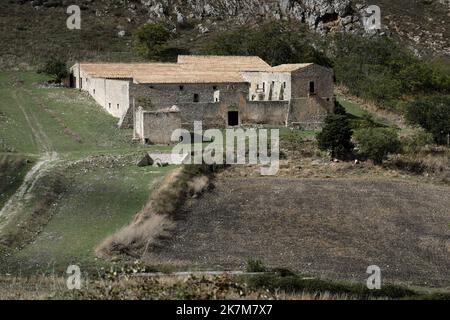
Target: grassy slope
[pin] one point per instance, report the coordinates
(97, 201)
(96, 204)
(12, 172)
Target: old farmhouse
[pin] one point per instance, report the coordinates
(221, 91)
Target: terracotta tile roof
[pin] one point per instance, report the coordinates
(125, 70)
(189, 69)
(230, 63)
(190, 76)
(290, 67)
(164, 73)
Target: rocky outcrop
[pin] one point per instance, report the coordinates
(320, 15)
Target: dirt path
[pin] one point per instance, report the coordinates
(48, 160)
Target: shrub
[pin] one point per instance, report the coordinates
(56, 68)
(336, 136)
(339, 108)
(416, 140)
(292, 140)
(255, 266)
(298, 285)
(150, 40)
(432, 114)
(377, 143)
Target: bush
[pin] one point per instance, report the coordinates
(150, 40)
(56, 68)
(292, 140)
(380, 70)
(432, 114)
(377, 143)
(416, 140)
(336, 136)
(255, 266)
(339, 108)
(295, 284)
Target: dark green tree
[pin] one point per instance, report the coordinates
(275, 42)
(432, 114)
(336, 136)
(55, 68)
(150, 40)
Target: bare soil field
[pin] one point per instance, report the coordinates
(329, 228)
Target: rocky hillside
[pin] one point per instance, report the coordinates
(37, 29)
(423, 25)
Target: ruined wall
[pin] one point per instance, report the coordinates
(155, 127)
(268, 86)
(309, 109)
(265, 112)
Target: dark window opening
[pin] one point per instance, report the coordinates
(196, 97)
(109, 105)
(94, 91)
(151, 87)
(264, 86)
(215, 88)
(117, 106)
(284, 85)
(233, 118)
(181, 88)
(312, 88)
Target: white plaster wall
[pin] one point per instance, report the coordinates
(265, 80)
(117, 100)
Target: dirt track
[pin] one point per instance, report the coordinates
(329, 228)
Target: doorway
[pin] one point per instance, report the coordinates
(233, 118)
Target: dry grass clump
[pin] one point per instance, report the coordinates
(155, 220)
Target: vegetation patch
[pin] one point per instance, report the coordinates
(297, 284)
(13, 169)
(157, 217)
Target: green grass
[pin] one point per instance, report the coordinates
(97, 200)
(358, 112)
(12, 172)
(95, 205)
(73, 122)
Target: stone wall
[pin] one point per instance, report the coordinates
(307, 108)
(167, 95)
(156, 127)
(214, 101)
(265, 112)
(268, 86)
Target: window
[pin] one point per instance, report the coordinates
(196, 97)
(264, 87)
(284, 85)
(109, 105)
(94, 91)
(118, 106)
(215, 88)
(181, 88)
(312, 88)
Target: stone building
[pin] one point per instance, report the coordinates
(221, 91)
